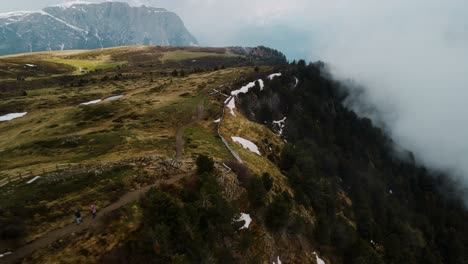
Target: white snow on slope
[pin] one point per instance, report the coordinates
(319, 260)
(231, 104)
(246, 218)
(245, 89)
(64, 22)
(33, 180)
(12, 17)
(92, 102)
(12, 116)
(72, 3)
(112, 98)
(5, 254)
(271, 76)
(279, 125)
(278, 261)
(246, 144)
(17, 14)
(217, 120)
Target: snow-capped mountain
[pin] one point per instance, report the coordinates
(81, 25)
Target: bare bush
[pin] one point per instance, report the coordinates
(243, 173)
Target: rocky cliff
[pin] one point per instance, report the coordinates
(82, 25)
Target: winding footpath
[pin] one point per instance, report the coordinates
(51, 237)
(233, 152)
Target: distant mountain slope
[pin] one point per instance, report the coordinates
(89, 26)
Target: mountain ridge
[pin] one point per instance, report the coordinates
(81, 25)
(314, 182)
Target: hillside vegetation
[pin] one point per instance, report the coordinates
(272, 166)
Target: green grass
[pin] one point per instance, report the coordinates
(29, 194)
(69, 148)
(202, 140)
(87, 65)
(184, 55)
(176, 113)
(49, 203)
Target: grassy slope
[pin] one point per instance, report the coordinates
(58, 130)
(149, 108)
(184, 55)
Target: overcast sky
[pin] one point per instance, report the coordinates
(411, 55)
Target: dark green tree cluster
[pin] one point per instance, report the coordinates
(185, 225)
(399, 211)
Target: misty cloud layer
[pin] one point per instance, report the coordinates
(411, 57)
(414, 66)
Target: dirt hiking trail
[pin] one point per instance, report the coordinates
(88, 222)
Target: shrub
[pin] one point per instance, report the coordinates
(242, 172)
(204, 164)
(11, 231)
(267, 181)
(256, 192)
(277, 214)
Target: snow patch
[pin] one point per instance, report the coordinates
(64, 22)
(278, 261)
(112, 98)
(5, 254)
(33, 180)
(12, 116)
(30, 65)
(17, 14)
(217, 120)
(318, 259)
(246, 144)
(246, 218)
(245, 89)
(72, 3)
(279, 125)
(272, 76)
(296, 80)
(231, 104)
(92, 102)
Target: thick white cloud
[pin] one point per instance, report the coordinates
(413, 60)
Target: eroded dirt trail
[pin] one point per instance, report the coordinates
(88, 222)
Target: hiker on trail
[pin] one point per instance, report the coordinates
(93, 210)
(78, 216)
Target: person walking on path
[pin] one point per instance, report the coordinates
(93, 210)
(78, 216)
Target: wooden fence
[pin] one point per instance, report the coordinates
(36, 172)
